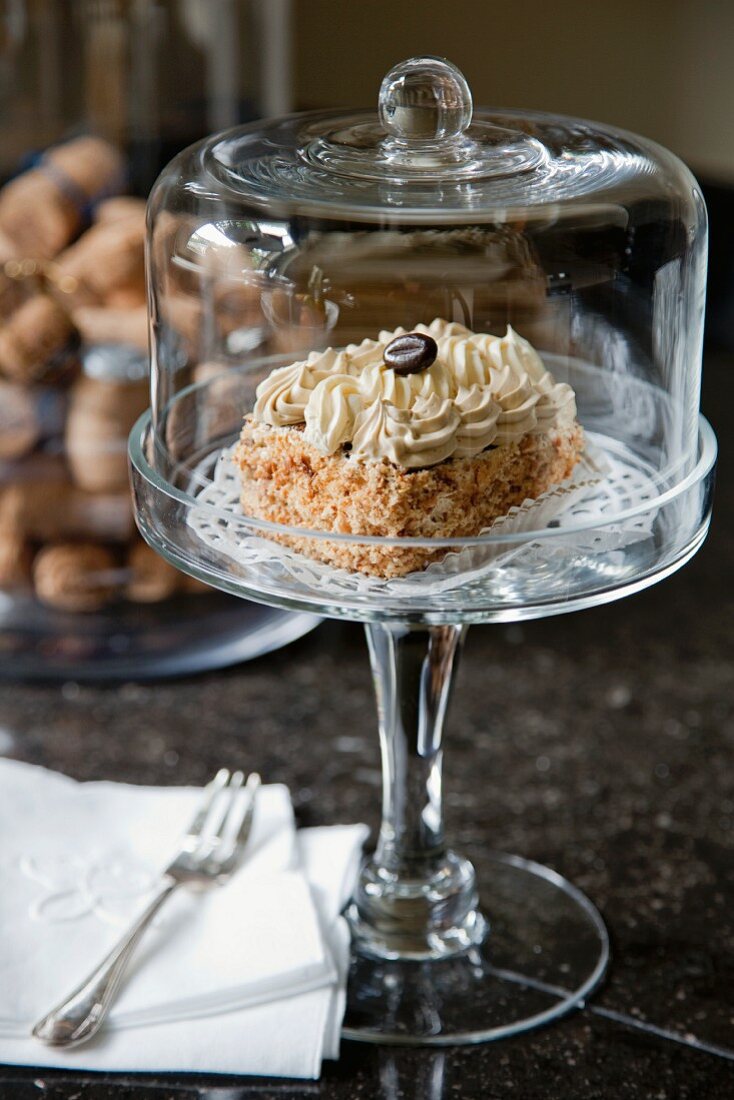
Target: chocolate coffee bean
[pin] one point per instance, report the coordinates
(411, 353)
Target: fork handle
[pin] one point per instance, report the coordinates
(81, 1014)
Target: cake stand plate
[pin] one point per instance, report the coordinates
(545, 951)
(441, 955)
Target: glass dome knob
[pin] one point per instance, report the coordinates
(425, 99)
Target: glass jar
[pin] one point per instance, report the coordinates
(88, 121)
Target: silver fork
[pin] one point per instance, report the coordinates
(209, 853)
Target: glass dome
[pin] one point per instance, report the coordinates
(320, 230)
(466, 348)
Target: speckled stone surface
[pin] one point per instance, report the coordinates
(601, 743)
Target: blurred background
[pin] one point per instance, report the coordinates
(96, 96)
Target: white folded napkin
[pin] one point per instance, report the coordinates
(246, 978)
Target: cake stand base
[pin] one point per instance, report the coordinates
(546, 950)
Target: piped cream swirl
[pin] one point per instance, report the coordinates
(481, 391)
(281, 399)
(404, 391)
(331, 412)
(514, 393)
(478, 412)
(421, 436)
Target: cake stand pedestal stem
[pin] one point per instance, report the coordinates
(415, 898)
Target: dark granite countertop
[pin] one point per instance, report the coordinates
(611, 759)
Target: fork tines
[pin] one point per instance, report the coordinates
(223, 818)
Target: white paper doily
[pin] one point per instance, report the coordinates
(602, 486)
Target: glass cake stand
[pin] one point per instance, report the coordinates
(437, 957)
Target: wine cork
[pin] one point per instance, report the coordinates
(11, 517)
(128, 298)
(15, 560)
(39, 342)
(8, 248)
(20, 425)
(43, 512)
(101, 414)
(108, 257)
(42, 210)
(152, 578)
(11, 294)
(94, 166)
(103, 325)
(75, 576)
(37, 216)
(119, 208)
(40, 466)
